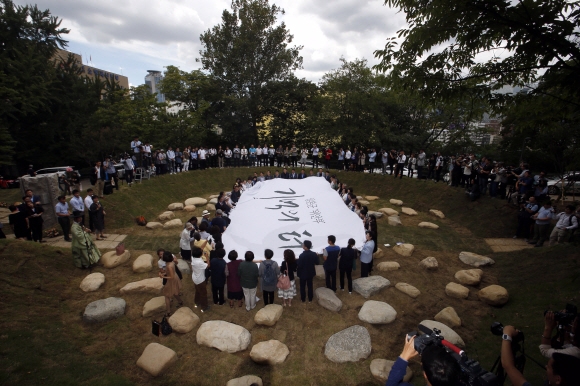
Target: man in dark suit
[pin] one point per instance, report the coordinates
(302, 175)
(33, 197)
(306, 270)
(293, 175)
(285, 175)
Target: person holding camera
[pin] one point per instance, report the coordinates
(566, 342)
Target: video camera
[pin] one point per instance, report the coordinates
(565, 317)
(472, 373)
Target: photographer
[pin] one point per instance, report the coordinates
(564, 343)
(439, 367)
(561, 370)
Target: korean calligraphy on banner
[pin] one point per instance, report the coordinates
(280, 214)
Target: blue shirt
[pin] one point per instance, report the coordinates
(366, 253)
(62, 208)
(252, 151)
(544, 213)
(397, 373)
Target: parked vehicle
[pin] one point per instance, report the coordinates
(569, 184)
(61, 170)
(9, 183)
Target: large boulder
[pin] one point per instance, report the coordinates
(154, 306)
(224, 336)
(436, 213)
(396, 202)
(475, 260)
(272, 352)
(429, 263)
(409, 211)
(404, 249)
(366, 286)
(246, 380)
(104, 309)
(428, 225)
(372, 198)
(175, 223)
(112, 260)
(197, 201)
(381, 368)
(189, 208)
(175, 206)
(408, 289)
(455, 290)
(386, 266)
(183, 320)
(375, 213)
(378, 254)
(143, 263)
(374, 312)
(154, 225)
(449, 317)
(269, 315)
(213, 201)
(447, 332)
(184, 267)
(92, 282)
(389, 211)
(320, 271)
(210, 207)
(153, 285)
(328, 299)
(156, 358)
(169, 215)
(364, 202)
(394, 220)
(494, 295)
(469, 276)
(349, 345)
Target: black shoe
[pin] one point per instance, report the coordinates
(68, 240)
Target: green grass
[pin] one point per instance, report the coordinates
(43, 340)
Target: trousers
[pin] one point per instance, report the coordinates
(200, 298)
(250, 298)
(348, 273)
(303, 283)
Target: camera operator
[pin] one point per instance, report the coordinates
(439, 367)
(561, 370)
(564, 343)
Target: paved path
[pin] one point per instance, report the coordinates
(507, 245)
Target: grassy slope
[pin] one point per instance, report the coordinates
(44, 341)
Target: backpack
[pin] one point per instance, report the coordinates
(269, 279)
(166, 327)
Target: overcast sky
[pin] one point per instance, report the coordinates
(130, 37)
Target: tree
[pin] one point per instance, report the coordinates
(484, 45)
(245, 52)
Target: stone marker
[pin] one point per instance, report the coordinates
(112, 260)
(386, 266)
(269, 315)
(409, 211)
(374, 312)
(272, 352)
(154, 225)
(349, 345)
(328, 299)
(366, 286)
(455, 290)
(389, 211)
(408, 289)
(183, 320)
(371, 198)
(429, 263)
(154, 306)
(246, 380)
(396, 202)
(104, 309)
(447, 332)
(436, 213)
(469, 276)
(92, 282)
(189, 208)
(494, 295)
(175, 223)
(381, 368)
(449, 317)
(394, 220)
(475, 260)
(224, 336)
(175, 206)
(151, 286)
(143, 263)
(184, 266)
(156, 358)
(169, 215)
(429, 225)
(404, 249)
(195, 201)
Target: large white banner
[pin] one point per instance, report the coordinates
(280, 214)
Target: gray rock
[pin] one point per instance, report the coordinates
(156, 359)
(184, 267)
(475, 260)
(374, 312)
(408, 289)
(447, 332)
(429, 263)
(328, 299)
(377, 214)
(104, 309)
(246, 380)
(349, 345)
(381, 368)
(394, 220)
(224, 336)
(366, 286)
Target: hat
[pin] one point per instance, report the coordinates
(307, 244)
(205, 213)
(219, 211)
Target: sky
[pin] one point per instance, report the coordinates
(129, 37)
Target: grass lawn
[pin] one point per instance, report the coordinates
(43, 339)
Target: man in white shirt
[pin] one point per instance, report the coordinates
(88, 203)
(236, 152)
(212, 153)
(78, 206)
(171, 160)
(259, 155)
(439, 167)
(567, 223)
(271, 155)
(202, 153)
(147, 161)
(228, 156)
(401, 159)
(347, 158)
(421, 163)
(315, 152)
(372, 157)
(136, 147)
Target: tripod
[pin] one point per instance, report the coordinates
(519, 361)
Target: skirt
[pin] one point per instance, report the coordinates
(235, 295)
(289, 293)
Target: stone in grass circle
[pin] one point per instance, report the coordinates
(455, 290)
(469, 276)
(394, 220)
(272, 352)
(429, 225)
(175, 223)
(328, 299)
(104, 309)
(153, 285)
(494, 295)
(475, 260)
(449, 317)
(447, 332)
(367, 286)
(436, 213)
(175, 206)
(408, 289)
(429, 263)
(169, 215)
(92, 282)
(404, 249)
(375, 312)
(246, 380)
(112, 260)
(396, 202)
(224, 336)
(381, 368)
(154, 225)
(386, 266)
(143, 263)
(389, 211)
(156, 359)
(409, 211)
(183, 320)
(269, 315)
(349, 345)
(197, 201)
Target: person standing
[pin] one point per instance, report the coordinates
(411, 165)
(98, 179)
(248, 273)
(347, 159)
(294, 156)
(288, 268)
(330, 256)
(98, 213)
(218, 276)
(185, 242)
(63, 214)
(420, 163)
(346, 264)
(136, 146)
(372, 158)
(315, 152)
(237, 156)
(340, 159)
(129, 167)
(244, 156)
(34, 217)
(198, 267)
(268, 273)
(279, 156)
(401, 159)
(185, 157)
(439, 166)
(366, 255)
(306, 270)
(88, 203)
(109, 166)
(173, 286)
(327, 157)
(228, 156)
(84, 252)
(78, 205)
(235, 291)
(202, 155)
(178, 161)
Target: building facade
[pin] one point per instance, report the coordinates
(93, 72)
(152, 80)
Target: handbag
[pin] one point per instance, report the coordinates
(155, 327)
(283, 281)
